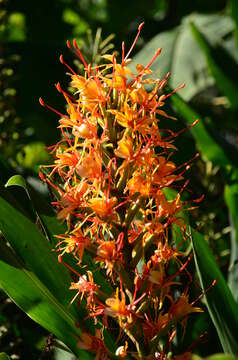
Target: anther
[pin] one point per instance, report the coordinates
(135, 41)
(64, 63)
(68, 44)
(58, 87)
(41, 101)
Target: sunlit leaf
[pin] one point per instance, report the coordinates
(182, 56)
(32, 296)
(17, 180)
(28, 242)
(222, 66)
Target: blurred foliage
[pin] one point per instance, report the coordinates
(93, 48)
(199, 41)
(9, 121)
(32, 156)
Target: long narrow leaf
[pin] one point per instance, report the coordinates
(31, 295)
(231, 198)
(207, 145)
(221, 305)
(35, 251)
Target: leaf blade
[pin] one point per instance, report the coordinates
(221, 305)
(36, 252)
(28, 292)
(220, 64)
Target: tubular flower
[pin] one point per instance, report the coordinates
(112, 170)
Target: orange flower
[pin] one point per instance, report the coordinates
(94, 344)
(90, 90)
(125, 147)
(182, 308)
(72, 199)
(139, 183)
(85, 287)
(74, 243)
(119, 76)
(66, 161)
(118, 308)
(108, 254)
(89, 167)
(102, 206)
(126, 117)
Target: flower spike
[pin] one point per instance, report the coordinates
(110, 176)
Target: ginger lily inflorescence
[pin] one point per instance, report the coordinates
(111, 171)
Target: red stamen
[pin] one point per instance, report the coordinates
(50, 107)
(64, 63)
(55, 187)
(163, 97)
(203, 293)
(68, 97)
(41, 102)
(42, 176)
(69, 267)
(181, 131)
(164, 81)
(152, 60)
(135, 41)
(78, 52)
(58, 87)
(66, 137)
(68, 44)
(123, 53)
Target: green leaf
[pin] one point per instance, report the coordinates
(221, 64)
(231, 198)
(32, 155)
(215, 357)
(17, 180)
(221, 357)
(4, 356)
(32, 296)
(52, 227)
(206, 144)
(221, 305)
(42, 209)
(182, 56)
(31, 246)
(234, 13)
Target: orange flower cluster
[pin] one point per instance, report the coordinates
(111, 169)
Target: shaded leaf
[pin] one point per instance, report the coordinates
(206, 144)
(4, 356)
(221, 305)
(222, 357)
(231, 198)
(216, 357)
